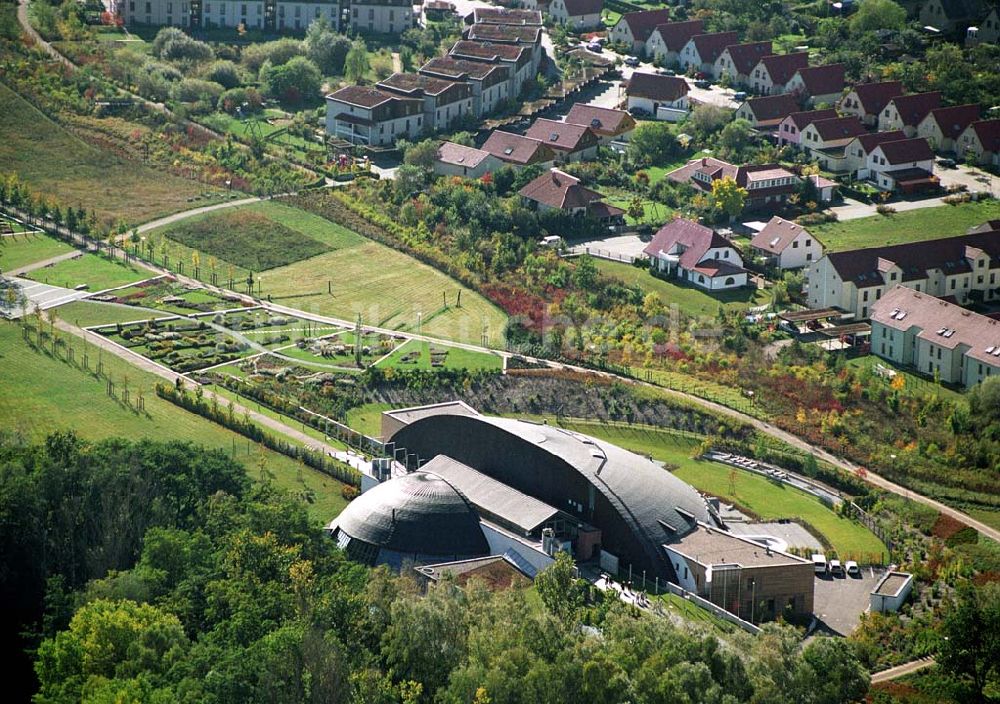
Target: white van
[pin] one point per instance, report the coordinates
(819, 563)
(836, 569)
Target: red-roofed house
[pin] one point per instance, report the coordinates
(609, 125)
(577, 14)
(943, 126)
(857, 152)
(868, 100)
(649, 92)
(666, 40)
(569, 142)
(490, 82)
(905, 165)
(768, 186)
(768, 111)
(905, 112)
(738, 60)
(772, 73)
(826, 140)
(557, 190)
(820, 84)
(790, 129)
(982, 139)
(519, 151)
(519, 59)
(691, 252)
(702, 50)
(634, 28)
(786, 245)
(460, 160)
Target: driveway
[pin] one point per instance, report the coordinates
(838, 602)
(972, 179)
(620, 247)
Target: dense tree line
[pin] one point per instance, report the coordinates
(155, 572)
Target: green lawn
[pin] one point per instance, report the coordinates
(367, 418)
(909, 226)
(767, 499)
(41, 394)
(659, 171)
(418, 356)
(62, 167)
(915, 385)
(725, 395)
(20, 250)
(87, 313)
(653, 213)
(690, 300)
(97, 272)
(388, 288)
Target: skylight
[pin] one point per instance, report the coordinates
(508, 151)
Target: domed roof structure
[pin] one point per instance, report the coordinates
(418, 517)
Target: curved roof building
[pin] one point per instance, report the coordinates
(637, 505)
(417, 518)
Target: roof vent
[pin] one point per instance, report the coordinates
(508, 151)
(554, 137)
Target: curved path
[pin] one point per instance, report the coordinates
(184, 214)
(894, 673)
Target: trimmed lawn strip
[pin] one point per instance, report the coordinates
(21, 250)
(691, 301)
(915, 385)
(41, 395)
(456, 358)
(98, 273)
(908, 226)
(87, 313)
(367, 418)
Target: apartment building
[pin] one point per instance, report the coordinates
(370, 116)
(490, 83)
(445, 102)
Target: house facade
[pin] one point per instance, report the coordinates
(951, 16)
(965, 267)
(609, 125)
(767, 112)
(577, 15)
(860, 148)
(569, 142)
(661, 97)
(557, 190)
(702, 51)
(381, 16)
(905, 165)
(518, 151)
(690, 252)
(460, 160)
(784, 245)
(981, 139)
(768, 186)
(867, 101)
(736, 62)
(490, 83)
(987, 31)
(519, 60)
(790, 129)
(515, 35)
(366, 115)
(826, 140)
(667, 40)
(943, 126)
(818, 85)
(935, 337)
(905, 112)
(772, 73)
(634, 28)
(257, 14)
(445, 102)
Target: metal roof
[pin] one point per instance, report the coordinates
(493, 497)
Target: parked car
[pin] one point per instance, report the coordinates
(947, 163)
(595, 47)
(740, 96)
(819, 563)
(836, 569)
(702, 83)
(631, 61)
(852, 568)
(666, 72)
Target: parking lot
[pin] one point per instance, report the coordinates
(838, 602)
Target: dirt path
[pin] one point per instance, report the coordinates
(184, 214)
(44, 263)
(894, 673)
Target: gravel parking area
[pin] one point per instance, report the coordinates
(838, 602)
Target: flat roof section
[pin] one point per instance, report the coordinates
(710, 546)
(414, 413)
(804, 316)
(892, 583)
(508, 504)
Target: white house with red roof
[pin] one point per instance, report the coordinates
(772, 73)
(662, 97)
(868, 100)
(819, 84)
(608, 124)
(634, 28)
(905, 112)
(790, 129)
(459, 160)
(982, 140)
(667, 40)
(943, 126)
(569, 142)
(702, 51)
(737, 61)
(577, 15)
(685, 250)
(786, 245)
(856, 153)
(906, 165)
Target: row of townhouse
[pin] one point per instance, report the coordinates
(935, 337)
(963, 268)
(369, 16)
(485, 69)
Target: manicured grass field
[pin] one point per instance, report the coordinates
(96, 271)
(419, 354)
(41, 394)
(86, 313)
(20, 250)
(367, 418)
(690, 300)
(388, 288)
(63, 167)
(909, 226)
(767, 499)
(653, 213)
(915, 385)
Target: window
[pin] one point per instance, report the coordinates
(809, 243)
(795, 244)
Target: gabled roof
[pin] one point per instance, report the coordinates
(772, 108)
(870, 141)
(903, 151)
(604, 121)
(803, 119)
(939, 322)
(915, 107)
(695, 240)
(915, 259)
(676, 34)
(578, 8)
(461, 155)
(709, 46)
(746, 56)
(643, 23)
(822, 80)
(557, 189)
(875, 96)
(656, 87)
(490, 51)
(781, 67)
(361, 96)
(777, 235)
(953, 121)
(517, 149)
(462, 69)
(503, 15)
(418, 84)
(988, 132)
(511, 34)
(839, 129)
(957, 10)
(562, 136)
